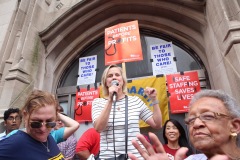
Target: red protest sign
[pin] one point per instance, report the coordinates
(83, 104)
(122, 43)
(181, 89)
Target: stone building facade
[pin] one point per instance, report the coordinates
(41, 39)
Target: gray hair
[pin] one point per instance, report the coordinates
(229, 102)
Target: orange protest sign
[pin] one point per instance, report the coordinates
(122, 43)
(83, 104)
(181, 88)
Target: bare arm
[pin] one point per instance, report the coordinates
(83, 155)
(102, 120)
(156, 120)
(70, 125)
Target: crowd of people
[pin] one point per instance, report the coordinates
(213, 126)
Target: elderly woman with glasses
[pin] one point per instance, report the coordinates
(39, 113)
(213, 124)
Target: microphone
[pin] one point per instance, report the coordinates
(116, 83)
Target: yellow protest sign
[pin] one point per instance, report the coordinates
(137, 86)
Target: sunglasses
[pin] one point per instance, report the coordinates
(40, 124)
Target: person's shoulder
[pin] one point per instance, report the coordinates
(93, 131)
(12, 133)
(134, 98)
(17, 137)
(20, 133)
(196, 157)
(57, 131)
(52, 139)
(99, 99)
(58, 134)
(3, 134)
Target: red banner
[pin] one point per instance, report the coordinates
(83, 104)
(181, 88)
(122, 43)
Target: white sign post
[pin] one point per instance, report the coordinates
(87, 70)
(162, 55)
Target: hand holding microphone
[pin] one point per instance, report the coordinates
(115, 83)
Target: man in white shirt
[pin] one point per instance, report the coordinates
(12, 121)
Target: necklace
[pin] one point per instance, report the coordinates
(48, 150)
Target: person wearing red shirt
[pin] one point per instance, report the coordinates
(88, 143)
(174, 137)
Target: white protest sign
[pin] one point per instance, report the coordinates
(87, 70)
(162, 55)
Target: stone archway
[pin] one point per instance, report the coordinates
(85, 22)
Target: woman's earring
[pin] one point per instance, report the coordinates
(233, 135)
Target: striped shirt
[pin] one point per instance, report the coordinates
(136, 110)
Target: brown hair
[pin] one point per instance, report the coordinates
(38, 99)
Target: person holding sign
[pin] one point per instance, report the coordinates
(108, 114)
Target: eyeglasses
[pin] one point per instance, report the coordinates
(14, 118)
(205, 117)
(40, 124)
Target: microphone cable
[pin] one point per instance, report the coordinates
(114, 149)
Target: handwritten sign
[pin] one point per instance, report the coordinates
(87, 70)
(83, 104)
(181, 89)
(122, 43)
(162, 55)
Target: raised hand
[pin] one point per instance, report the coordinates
(148, 153)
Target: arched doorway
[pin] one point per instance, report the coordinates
(187, 60)
(79, 32)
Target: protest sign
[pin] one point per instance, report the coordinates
(87, 70)
(163, 59)
(136, 88)
(122, 43)
(181, 88)
(83, 104)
